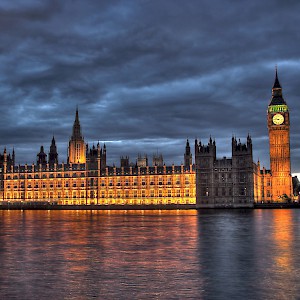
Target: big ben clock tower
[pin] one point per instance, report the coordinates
(279, 139)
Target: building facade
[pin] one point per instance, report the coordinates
(226, 182)
(238, 181)
(86, 179)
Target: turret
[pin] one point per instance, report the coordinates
(187, 155)
(42, 157)
(53, 155)
(124, 161)
(103, 157)
(13, 157)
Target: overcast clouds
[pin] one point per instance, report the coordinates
(146, 74)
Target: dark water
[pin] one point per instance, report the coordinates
(223, 254)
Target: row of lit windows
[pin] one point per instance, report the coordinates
(102, 194)
(130, 201)
(94, 182)
(82, 175)
(45, 176)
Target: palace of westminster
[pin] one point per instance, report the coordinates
(207, 182)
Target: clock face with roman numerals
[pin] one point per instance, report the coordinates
(278, 119)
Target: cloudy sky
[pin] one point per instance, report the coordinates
(146, 75)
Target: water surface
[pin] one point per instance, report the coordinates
(210, 254)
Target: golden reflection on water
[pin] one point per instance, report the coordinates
(282, 235)
(86, 254)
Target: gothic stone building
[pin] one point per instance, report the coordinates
(86, 179)
(238, 181)
(226, 182)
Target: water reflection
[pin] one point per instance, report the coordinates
(215, 254)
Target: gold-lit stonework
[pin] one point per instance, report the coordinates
(279, 141)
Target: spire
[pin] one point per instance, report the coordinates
(187, 143)
(76, 127)
(13, 156)
(277, 98)
(276, 82)
(77, 117)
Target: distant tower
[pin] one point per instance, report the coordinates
(42, 157)
(142, 161)
(124, 161)
(157, 160)
(13, 157)
(103, 157)
(188, 155)
(77, 149)
(279, 140)
(53, 156)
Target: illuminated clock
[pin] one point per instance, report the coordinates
(278, 119)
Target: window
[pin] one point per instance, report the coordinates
(160, 181)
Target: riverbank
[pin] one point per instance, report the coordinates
(51, 206)
(54, 206)
(276, 205)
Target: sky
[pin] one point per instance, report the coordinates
(146, 75)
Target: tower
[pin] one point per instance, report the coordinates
(77, 149)
(242, 172)
(279, 141)
(53, 156)
(42, 157)
(188, 155)
(205, 157)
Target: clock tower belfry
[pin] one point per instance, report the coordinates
(279, 141)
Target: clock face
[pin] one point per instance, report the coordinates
(278, 119)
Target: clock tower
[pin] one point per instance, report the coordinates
(279, 140)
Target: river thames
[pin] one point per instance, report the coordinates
(181, 254)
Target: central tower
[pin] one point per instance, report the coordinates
(77, 147)
(279, 140)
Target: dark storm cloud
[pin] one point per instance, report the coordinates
(145, 74)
